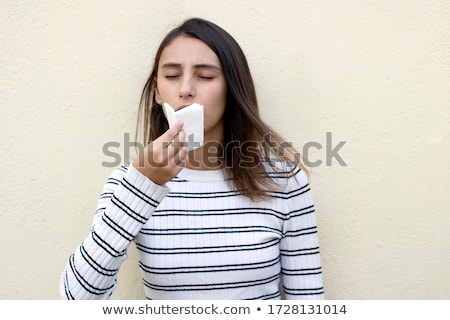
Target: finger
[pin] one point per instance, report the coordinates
(167, 137)
(178, 145)
(181, 157)
(179, 141)
(181, 151)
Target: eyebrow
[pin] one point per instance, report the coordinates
(197, 66)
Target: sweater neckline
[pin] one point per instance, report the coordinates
(201, 175)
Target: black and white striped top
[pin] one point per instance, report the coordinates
(198, 239)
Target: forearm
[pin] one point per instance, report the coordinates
(126, 204)
(300, 254)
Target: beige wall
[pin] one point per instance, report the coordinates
(375, 74)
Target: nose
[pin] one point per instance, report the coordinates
(187, 89)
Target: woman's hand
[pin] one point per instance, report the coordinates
(163, 158)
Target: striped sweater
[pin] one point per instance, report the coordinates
(198, 239)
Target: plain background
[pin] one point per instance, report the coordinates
(373, 74)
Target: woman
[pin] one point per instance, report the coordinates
(229, 220)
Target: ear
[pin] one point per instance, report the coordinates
(157, 96)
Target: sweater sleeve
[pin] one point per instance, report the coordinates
(126, 203)
(300, 256)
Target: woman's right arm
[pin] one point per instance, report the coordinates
(129, 198)
(127, 201)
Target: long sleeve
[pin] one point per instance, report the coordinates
(300, 256)
(126, 203)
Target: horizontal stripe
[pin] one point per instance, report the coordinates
(127, 210)
(270, 296)
(300, 252)
(113, 181)
(96, 266)
(212, 286)
(304, 291)
(117, 228)
(210, 268)
(291, 194)
(302, 272)
(203, 231)
(204, 195)
(302, 211)
(139, 194)
(206, 249)
(106, 246)
(171, 212)
(106, 195)
(301, 232)
(84, 283)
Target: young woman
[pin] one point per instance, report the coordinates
(233, 219)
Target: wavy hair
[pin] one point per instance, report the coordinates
(250, 146)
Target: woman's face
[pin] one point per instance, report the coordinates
(189, 71)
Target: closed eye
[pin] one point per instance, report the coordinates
(171, 76)
(205, 77)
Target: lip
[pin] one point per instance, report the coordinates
(182, 106)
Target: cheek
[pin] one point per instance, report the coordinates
(214, 111)
(213, 114)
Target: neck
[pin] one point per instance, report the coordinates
(210, 155)
(207, 157)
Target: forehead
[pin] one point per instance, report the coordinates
(187, 50)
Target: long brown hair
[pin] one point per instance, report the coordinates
(249, 146)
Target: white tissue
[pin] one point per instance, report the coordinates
(192, 117)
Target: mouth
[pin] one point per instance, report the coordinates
(182, 106)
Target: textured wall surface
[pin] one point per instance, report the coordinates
(372, 77)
